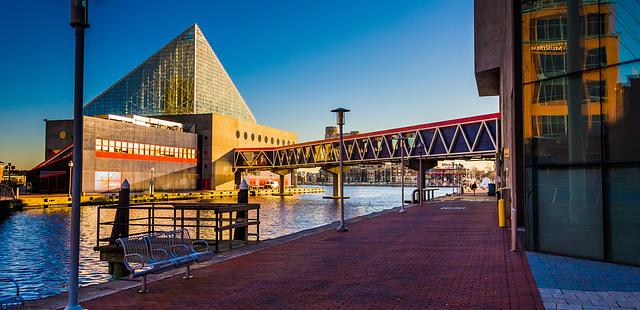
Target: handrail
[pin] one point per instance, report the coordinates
(220, 219)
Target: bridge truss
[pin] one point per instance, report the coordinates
(464, 138)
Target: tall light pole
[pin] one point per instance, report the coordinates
(79, 21)
(401, 140)
(420, 173)
(70, 174)
(151, 181)
(340, 120)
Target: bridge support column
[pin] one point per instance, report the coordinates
(335, 174)
(421, 166)
(281, 185)
(282, 173)
(294, 178)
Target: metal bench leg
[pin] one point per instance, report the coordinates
(143, 288)
(188, 275)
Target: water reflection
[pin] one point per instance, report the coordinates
(35, 247)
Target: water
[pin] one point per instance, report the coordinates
(35, 247)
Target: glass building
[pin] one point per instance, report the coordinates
(184, 77)
(580, 117)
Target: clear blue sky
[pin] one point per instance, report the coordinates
(393, 63)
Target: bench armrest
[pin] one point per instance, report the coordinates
(10, 280)
(131, 264)
(203, 243)
(164, 255)
(180, 250)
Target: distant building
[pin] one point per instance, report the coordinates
(331, 132)
(172, 122)
(183, 77)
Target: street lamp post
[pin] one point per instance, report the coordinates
(420, 173)
(79, 21)
(151, 181)
(340, 120)
(70, 174)
(401, 140)
(9, 173)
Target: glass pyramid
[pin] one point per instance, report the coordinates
(184, 77)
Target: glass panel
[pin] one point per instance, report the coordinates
(163, 84)
(622, 112)
(624, 214)
(562, 123)
(621, 29)
(569, 212)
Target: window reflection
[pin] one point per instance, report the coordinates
(581, 95)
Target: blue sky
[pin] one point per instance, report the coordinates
(393, 63)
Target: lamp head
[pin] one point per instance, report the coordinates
(340, 114)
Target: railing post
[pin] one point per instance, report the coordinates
(98, 226)
(198, 224)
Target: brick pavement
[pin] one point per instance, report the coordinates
(427, 258)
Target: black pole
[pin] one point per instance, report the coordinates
(79, 21)
(240, 233)
(121, 222)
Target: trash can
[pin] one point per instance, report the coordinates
(491, 189)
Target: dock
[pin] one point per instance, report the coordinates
(43, 200)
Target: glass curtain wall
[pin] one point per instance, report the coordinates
(581, 105)
(163, 84)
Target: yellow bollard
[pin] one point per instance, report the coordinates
(501, 215)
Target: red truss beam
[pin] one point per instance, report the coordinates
(469, 137)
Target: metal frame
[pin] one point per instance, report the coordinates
(13, 301)
(149, 218)
(469, 137)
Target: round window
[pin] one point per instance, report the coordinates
(253, 137)
(238, 134)
(271, 140)
(259, 138)
(245, 135)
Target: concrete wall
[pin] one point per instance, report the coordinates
(58, 134)
(168, 176)
(220, 134)
(494, 69)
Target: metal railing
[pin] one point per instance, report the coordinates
(6, 192)
(215, 223)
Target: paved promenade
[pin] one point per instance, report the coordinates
(441, 255)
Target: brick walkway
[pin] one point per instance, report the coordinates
(427, 258)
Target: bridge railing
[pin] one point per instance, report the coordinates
(470, 137)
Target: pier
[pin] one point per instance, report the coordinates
(43, 200)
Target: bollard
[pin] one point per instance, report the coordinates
(120, 228)
(240, 233)
(502, 221)
(121, 222)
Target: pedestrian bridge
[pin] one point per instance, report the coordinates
(463, 138)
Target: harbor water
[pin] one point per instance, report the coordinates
(35, 250)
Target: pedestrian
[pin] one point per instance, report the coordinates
(473, 188)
